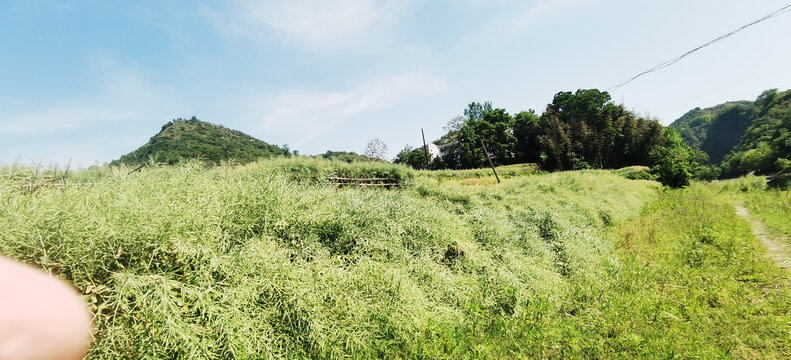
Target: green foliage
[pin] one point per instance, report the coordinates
(674, 160)
(346, 156)
(527, 128)
(476, 111)
(577, 131)
(690, 268)
(194, 139)
(747, 183)
(493, 127)
(690, 282)
(636, 173)
(718, 129)
(742, 136)
(240, 262)
(414, 157)
(584, 129)
(504, 171)
(767, 140)
(316, 170)
(773, 208)
(248, 262)
(784, 165)
(781, 181)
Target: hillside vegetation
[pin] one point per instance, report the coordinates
(579, 130)
(182, 139)
(743, 136)
(716, 130)
(254, 262)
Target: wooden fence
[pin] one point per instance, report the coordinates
(386, 183)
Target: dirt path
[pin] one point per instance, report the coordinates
(776, 250)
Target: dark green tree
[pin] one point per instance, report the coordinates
(766, 141)
(586, 130)
(526, 131)
(494, 127)
(414, 157)
(476, 111)
(674, 161)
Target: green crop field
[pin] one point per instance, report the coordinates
(270, 260)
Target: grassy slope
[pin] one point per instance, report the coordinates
(239, 261)
(242, 261)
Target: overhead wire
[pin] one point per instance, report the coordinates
(670, 62)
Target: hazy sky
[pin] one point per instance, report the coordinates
(88, 81)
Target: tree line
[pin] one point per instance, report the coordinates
(579, 130)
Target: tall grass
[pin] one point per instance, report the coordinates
(250, 262)
(319, 170)
(505, 171)
(769, 204)
(689, 281)
(692, 284)
(260, 261)
(773, 206)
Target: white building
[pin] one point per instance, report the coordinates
(433, 151)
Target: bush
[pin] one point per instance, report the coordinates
(636, 173)
(674, 162)
(319, 170)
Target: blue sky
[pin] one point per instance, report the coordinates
(83, 82)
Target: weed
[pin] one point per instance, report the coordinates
(265, 260)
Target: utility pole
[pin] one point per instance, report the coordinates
(425, 148)
(490, 161)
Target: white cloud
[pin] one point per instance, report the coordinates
(315, 113)
(549, 8)
(307, 24)
(519, 15)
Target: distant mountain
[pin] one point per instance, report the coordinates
(743, 136)
(186, 139)
(766, 145)
(716, 130)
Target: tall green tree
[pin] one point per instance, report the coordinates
(586, 130)
(674, 161)
(414, 157)
(526, 131)
(492, 126)
(475, 111)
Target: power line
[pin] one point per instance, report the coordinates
(665, 64)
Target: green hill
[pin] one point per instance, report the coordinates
(743, 136)
(716, 130)
(185, 139)
(765, 147)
